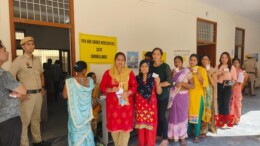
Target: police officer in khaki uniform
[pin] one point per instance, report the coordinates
(28, 70)
(251, 68)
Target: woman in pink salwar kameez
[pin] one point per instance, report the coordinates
(236, 98)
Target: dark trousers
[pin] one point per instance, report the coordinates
(162, 128)
(10, 132)
(224, 96)
(56, 89)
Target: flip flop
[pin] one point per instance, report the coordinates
(196, 140)
(203, 136)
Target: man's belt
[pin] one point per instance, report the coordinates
(33, 91)
(251, 72)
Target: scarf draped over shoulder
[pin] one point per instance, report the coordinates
(121, 78)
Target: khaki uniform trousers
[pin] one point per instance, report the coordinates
(121, 138)
(31, 114)
(251, 78)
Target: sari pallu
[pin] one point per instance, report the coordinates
(179, 104)
(79, 113)
(196, 95)
(207, 105)
(196, 106)
(210, 111)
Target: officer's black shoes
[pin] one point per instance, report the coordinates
(42, 143)
(252, 95)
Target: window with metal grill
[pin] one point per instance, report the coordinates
(206, 32)
(56, 11)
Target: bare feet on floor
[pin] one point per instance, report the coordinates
(164, 142)
(158, 138)
(183, 142)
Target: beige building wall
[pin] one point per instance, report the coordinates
(169, 24)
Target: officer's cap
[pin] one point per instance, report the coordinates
(26, 39)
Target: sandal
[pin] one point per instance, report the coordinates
(196, 140)
(203, 136)
(224, 126)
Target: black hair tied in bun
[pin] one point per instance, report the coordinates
(80, 66)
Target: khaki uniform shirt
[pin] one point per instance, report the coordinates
(28, 71)
(250, 65)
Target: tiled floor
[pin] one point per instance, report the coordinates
(247, 133)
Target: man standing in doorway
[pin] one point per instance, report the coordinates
(28, 70)
(251, 68)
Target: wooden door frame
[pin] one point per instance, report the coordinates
(243, 43)
(70, 26)
(215, 37)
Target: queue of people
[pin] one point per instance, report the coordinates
(200, 98)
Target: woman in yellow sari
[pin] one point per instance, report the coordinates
(197, 94)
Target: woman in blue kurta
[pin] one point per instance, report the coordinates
(78, 90)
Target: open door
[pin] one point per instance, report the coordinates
(207, 39)
(209, 50)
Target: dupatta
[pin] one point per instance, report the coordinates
(178, 77)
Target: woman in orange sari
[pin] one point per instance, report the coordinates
(95, 105)
(211, 103)
(119, 84)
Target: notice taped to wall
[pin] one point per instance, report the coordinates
(97, 49)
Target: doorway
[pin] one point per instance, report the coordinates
(239, 43)
(207, 39)
(54, 17)
(50, 43)
(207, 49)
(48, 14)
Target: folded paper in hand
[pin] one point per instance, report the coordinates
(241, 77)
(155, 75)
(119, 92)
